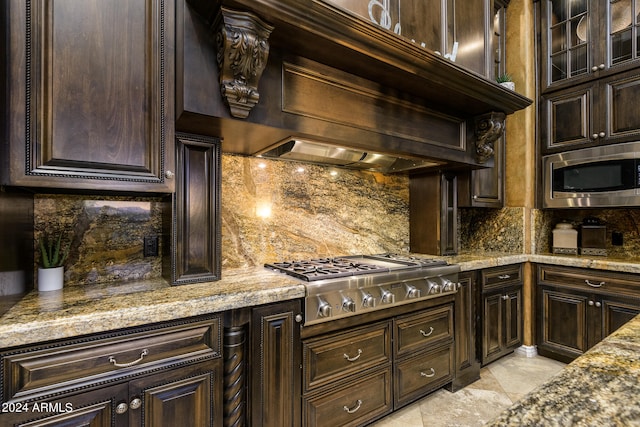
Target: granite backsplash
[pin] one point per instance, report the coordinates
(275, 210)
(271, 210)
(623, 221)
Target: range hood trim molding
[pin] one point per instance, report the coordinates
(324, 31)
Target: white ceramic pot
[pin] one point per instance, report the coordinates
(50, 279)
(509, 85)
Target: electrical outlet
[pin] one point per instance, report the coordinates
(150, 246)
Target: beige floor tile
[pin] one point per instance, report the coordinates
(501, 384)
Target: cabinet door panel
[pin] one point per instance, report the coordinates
(92, 94)
(513, 319)
(623, 120)
(276, 378)
(565, 322)
(567, 118)
(492, 326)
(88, 409)
(617, 312)
(186, 397)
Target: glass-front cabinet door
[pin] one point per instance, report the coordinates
(454, 29)
(584, 39)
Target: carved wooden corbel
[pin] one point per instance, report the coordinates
(243, 49)
(488, 127)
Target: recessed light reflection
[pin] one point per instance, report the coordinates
(333, 173)
(263, 210)
(262, 165)
(300, 170)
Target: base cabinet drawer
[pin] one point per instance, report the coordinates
(424, 372)
(335, 357)
(354, 404)
(417, 332)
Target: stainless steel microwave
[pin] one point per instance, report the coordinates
(604, 176)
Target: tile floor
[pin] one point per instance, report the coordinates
(501, 383)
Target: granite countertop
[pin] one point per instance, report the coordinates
(79, 310)
(599, 388)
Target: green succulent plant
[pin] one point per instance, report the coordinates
(51, 251)
(503, 78)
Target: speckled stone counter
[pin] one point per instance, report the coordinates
(600, 388)
(79, 310)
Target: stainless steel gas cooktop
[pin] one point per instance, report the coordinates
(350, 285)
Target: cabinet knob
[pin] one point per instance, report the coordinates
(594, 68)
(121, 408)
(594, 136)
(598, 304)
(590, 303)
(505, 297)
(602, 134)
(135, 403)
(601, 67)
(298, 318)
(169, 174)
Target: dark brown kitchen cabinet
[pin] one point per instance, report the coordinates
(276, 365)
(587, 39)
(467, 364)
(484, 188)
(436, 25)
(160, 375)
(193, 227)
(355, 375)
(501, 311)
(579, 307)
(600, 112)
(90, 104)
(347, 376)
(433, 213)
(424, 359)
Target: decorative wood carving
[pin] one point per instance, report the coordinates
(235, 377)
(243, 49)
(488, 127)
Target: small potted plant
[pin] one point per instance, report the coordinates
(506, 81)
(53, 255)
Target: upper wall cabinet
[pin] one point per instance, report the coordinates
(590, 73)
(586, 39)
(457, 30)
(90, 100)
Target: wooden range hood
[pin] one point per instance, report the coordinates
(335, 78)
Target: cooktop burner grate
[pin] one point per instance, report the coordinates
(326, 268)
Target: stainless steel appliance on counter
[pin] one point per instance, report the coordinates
(351, 285)
(593, 177)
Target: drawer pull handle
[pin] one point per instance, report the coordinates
(504, 276)
(126, 365)
(354, 358)
(426, 334)
(355, 408)
(429, 375)
(594, 285)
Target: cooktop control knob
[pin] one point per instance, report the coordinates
(348, 305)
(368, 301)
(387, 297)
(434, 288)
(448, 286)
(324, 309)
(412, 292)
